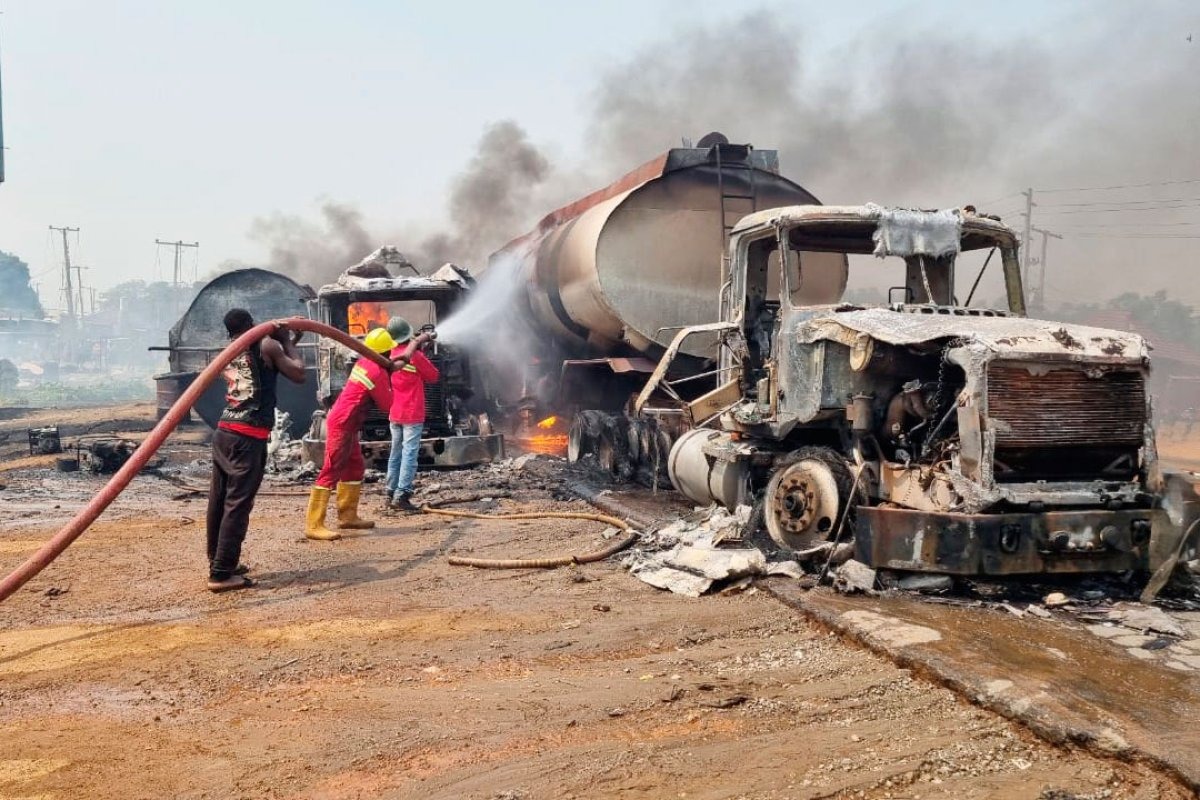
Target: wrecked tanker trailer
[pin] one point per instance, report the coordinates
(607, 280)
(941, 437)
(457, 429)
(199, 335)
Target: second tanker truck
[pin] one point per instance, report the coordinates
(690, 316)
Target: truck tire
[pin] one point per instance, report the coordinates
(584, 434)
(612, 447)
(807, 496)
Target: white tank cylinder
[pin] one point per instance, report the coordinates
(703, 478)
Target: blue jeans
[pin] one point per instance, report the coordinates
(402, 461)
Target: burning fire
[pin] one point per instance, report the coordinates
(365, 315)
(552, 442)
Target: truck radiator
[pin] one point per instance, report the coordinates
(377, 429)
(1065, 424)
(435, 409)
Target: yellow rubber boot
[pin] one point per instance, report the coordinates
(348, 494)
(315, 528)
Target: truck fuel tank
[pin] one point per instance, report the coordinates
(705, 465)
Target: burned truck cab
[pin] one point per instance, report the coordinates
(457, 429)
(940, 435)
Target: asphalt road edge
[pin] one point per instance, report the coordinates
(1052, 728)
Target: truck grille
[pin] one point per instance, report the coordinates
(1064, 423)
(435, 402)
(376, 426)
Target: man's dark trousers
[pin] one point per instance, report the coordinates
(238, 465)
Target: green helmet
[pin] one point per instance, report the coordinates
(400, 330)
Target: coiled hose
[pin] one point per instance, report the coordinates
(541, 563)
(53, 548)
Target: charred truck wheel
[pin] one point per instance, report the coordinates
(806, 497)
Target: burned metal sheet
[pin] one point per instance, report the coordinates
(998, 334)
(905, 232)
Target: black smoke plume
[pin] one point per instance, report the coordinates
(310, 252)
(491, 200)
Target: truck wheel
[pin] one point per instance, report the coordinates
(584, 434)
(612, 448)
(806, 497)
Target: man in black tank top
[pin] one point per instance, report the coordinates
(240, 444)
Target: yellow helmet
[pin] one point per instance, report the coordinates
(380, 341)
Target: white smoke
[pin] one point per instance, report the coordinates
(490, 326)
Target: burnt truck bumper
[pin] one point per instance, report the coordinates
(1007, 544)
(436, 451)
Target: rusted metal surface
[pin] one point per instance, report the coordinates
(618, 365)
(623, 267)
(1031, 405)
(1005, 544)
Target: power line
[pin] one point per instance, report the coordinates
(1123, 210)
(997, 200)
(1122, 202)
(1130, 225)
(1134, 236)
(1121, 186)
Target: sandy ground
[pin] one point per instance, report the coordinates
(369, 668)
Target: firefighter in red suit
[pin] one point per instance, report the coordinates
(344, 466)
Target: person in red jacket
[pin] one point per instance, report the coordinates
(407, 415)
(344, 465)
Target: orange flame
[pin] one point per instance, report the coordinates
(365, 315)
(554, 444)
(546, 436)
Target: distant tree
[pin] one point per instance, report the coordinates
(1156, 313)
(16, 294)
(1168, 318)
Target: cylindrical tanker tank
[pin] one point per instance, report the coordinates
(621, 270)
(200, 334)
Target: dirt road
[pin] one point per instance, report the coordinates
(370, 668)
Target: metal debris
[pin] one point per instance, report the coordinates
(687, 557)
(1056, 600)
(1145, 619)
(44, 441)
(854, 576)
(106, 456)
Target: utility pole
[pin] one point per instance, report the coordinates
(1046, 236)
(1026, 240)
(67, 287)
(178, 249)
(1, 135)
(178, 246)
(79, 304)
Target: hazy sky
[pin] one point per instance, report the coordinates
(143, 120)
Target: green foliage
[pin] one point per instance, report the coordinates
(1155, 313)
(111, 390)
(16, 294)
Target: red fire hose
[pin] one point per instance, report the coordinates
(73, 529)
